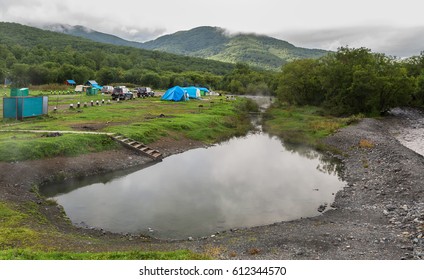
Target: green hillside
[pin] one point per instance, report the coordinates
(213, 43)
(30, 55)
(202, 42)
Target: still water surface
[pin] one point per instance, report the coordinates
(243, 182)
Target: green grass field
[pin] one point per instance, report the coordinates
(145, 120)
(25, 234)
(131, 255)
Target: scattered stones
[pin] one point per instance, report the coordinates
(322, 207)
(394, 176)
(390, 207)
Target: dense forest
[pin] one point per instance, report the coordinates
(352, 81)
(30, 56)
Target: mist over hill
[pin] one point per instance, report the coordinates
(215, 43)
(85, 32)
(211, 43)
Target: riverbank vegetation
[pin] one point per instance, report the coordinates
(353, 81)
(303, 125)
(131, 255)
(17, 146)
(26, 234)
(315, 97)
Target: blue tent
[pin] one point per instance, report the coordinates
(175, 94)
(203, 90)
(193, 92)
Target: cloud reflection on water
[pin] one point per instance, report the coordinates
(244, 182)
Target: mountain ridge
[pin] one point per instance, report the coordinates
(91, 34)
(209, 42)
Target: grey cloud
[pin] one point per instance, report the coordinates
(395, 41)
(7, 5)
(138, 34)
(128, 33)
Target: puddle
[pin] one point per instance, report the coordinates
(244, 182)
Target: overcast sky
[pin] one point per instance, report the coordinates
(395, 27)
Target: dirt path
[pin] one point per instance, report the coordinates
(379, 215)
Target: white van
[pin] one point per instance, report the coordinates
(107, 89)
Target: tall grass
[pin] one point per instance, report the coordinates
(20, 254)
(30, 146)
(302, 125)
(51, 87)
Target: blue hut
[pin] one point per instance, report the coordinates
(70, 83)
(19, 105)
(93, 84)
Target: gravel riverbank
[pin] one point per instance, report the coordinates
(378, 215)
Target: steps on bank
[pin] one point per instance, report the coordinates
(137, 146)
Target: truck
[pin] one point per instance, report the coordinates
(144, 92)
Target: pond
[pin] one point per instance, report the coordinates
(249, 181)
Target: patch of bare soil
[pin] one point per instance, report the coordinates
(379, 215)
(89, 127)
(170, 146)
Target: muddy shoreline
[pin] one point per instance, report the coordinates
(379, 215)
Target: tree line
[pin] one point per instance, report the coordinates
(30, 56)
(39, 65)
(352, 81)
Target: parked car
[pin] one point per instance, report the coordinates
(144, 92)
(121, 93)
(107, 89)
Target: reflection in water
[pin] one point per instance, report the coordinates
(244, 182)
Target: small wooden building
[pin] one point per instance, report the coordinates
(70, 83)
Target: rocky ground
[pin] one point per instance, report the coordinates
(378, 215)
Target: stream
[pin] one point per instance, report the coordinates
(243, 182)
(409, 130)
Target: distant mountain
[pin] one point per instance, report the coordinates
(84, 32)
(211, 43)
(214, 43)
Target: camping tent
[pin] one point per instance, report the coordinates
(175, 94)
(203, 91)
(193, 92)
(79, 88)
